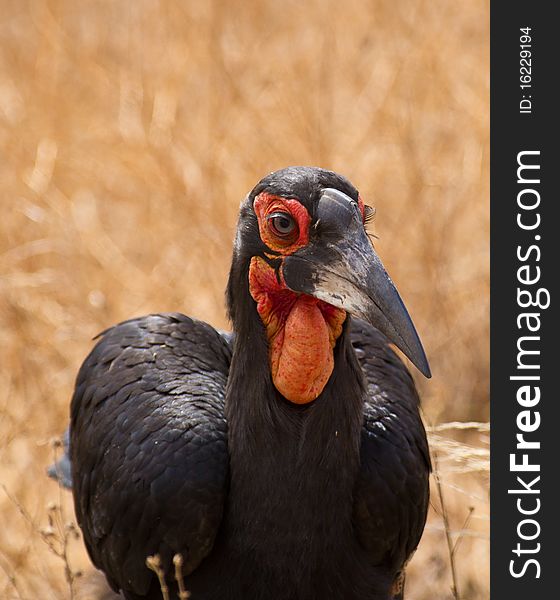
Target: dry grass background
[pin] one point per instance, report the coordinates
(129, 132)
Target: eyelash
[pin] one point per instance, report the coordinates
(369, 214)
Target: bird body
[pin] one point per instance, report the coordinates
(286, 461)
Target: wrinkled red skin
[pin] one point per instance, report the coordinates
(264, 205)
(362, 207)
(301, 330)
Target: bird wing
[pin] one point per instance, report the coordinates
(392, 493)
(148, 445)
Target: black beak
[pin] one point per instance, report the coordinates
(341, 267)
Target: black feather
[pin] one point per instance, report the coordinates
(148, 445)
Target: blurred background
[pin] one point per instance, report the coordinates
(130, 132)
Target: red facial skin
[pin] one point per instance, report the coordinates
(301, 330)
(266, 204)
(362, 208)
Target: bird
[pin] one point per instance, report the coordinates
(284, 460)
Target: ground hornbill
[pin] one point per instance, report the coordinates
(284, 461)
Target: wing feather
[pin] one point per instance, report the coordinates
(392, 492)
(148, 445)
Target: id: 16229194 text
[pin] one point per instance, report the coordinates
(525, 70)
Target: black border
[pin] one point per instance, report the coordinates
(513, 132)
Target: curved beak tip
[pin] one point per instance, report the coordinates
(411, 348)
(424, 368)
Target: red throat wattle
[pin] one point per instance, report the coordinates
(301, 330)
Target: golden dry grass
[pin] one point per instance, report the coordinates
(129, 132)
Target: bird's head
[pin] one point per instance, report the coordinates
(307, 262)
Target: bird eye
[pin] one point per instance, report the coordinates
(282, 224)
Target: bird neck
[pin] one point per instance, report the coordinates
(293, 467)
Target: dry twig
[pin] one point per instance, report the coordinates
(154, 564)
(56, 535)
(448, 536)
(178, 562)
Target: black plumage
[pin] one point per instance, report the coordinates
(180, 441)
